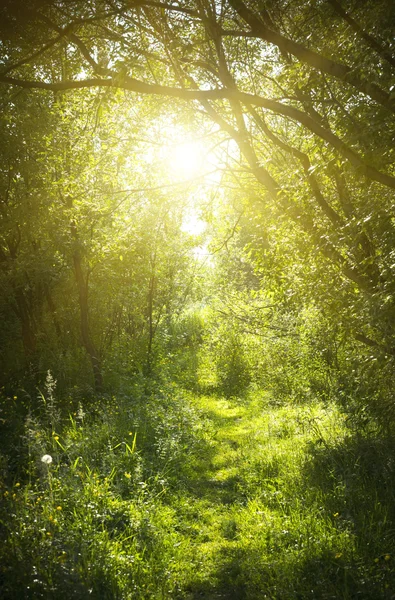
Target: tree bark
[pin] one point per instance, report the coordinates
(28, 336)
(82, 284)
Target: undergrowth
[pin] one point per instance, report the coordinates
(164, 494)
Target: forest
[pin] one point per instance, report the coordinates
(197, 307)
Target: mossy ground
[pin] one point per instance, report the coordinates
(200, 497)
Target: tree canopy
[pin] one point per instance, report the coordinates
(297, 99)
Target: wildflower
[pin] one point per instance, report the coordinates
(6, 493)
(56, 437)
(15, 397)
(17, 485)
(387, 557)
(339, 555)
(49, 533)
(46, 459)
(58, 508)
(127, 475)
(336, 514)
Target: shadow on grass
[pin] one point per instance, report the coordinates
(225, 491)
(226, 583)
(355, 481)
(201, 481)
(223, 420)
(243, 574)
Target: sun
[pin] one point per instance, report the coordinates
(186, 160)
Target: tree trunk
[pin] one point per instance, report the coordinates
(28, 336)
(151, 330)
(82, 284)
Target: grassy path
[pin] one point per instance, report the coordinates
(236, 494)
(215, 500)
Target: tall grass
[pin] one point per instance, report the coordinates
(162, 494)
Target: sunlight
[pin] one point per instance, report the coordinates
(193, 224)
(183, 155)
(186, 160)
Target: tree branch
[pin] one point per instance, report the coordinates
(317, 61)
(140, 87)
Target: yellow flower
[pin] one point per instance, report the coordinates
(127, 475)
(49, 534)
(339, 555)
(17, 485)
(376, 560)
(387, 557)
(58, 508)
(336, 515)
(15, 397)
(6, 493)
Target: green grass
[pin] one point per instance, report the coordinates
(176, 496)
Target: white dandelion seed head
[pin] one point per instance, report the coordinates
(46, 459)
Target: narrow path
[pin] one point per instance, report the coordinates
(244, 510)
(215, 496)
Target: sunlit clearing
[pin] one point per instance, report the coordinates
(186, 160)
